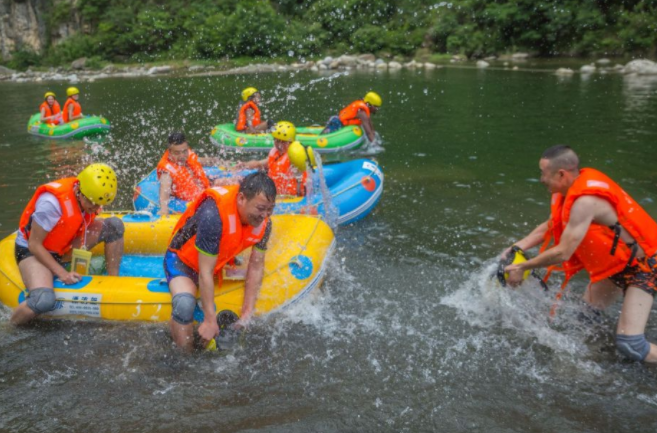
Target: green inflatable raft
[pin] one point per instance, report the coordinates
(92, 125)
(347, 138)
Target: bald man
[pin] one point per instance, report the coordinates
(596, 226)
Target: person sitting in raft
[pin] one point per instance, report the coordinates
(596, 226)
(180, 172)
(61, 216)
(51, 112)
(357, 113)
(277, 164)
(72, 109)
(216, 227)
(248, 116)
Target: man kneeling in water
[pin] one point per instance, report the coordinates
(215, 228)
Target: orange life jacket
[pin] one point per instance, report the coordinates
(280, 171)
(601, 252)
(235, 237)
(241, 116)
(188, 182)
(349, 114)
(70, 225)
(77, 109)
(51, 111)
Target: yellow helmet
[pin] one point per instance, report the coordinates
(248, 92)
(373, 99)
(284, 131)
(98, 183)
(49, 94)
(300, 155)
(72, 91)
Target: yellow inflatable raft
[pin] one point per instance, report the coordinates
(295, 264)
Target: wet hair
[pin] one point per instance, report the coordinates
(562, 157)
(256, 183)
(176, 138)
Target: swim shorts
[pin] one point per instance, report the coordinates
(174, 267)
(639, 276)
(21, 253)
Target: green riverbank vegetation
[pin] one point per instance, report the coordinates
(136, 31)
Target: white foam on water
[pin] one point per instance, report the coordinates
(43, 378)
(483, 303)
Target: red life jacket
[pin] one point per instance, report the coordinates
(69, 226)
(189, 181)
(279, 170)
(241, 116)
(349, 114)
(235, 237)
(51, 111)
(77, 109)
(600, 252)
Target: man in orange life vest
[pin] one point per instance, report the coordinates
(61, 216)
(51, 112)
(286, 177)
(180, 172)
(72, 109)
(597, 226)
(216, 227)
(248, 116)
(357, 113)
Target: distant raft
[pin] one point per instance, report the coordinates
(295, 264)
(85, 127)
(353, 190)
(347, 138)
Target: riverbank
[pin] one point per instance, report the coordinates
(79, 73)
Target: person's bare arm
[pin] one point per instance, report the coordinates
(581, 217)
(254, 274)
(366, 122)
(166, 182)
(254, 165)
(35, 245)
(209, 328)
(532, 239)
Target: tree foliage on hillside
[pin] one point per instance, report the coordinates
(141, 30)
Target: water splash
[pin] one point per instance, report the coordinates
(524, 314)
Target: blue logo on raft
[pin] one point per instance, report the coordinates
(301, 267)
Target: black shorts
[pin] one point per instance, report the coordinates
(21, 253)
(643, 276)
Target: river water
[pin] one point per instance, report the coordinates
(408, 333)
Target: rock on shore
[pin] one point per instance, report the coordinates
(78, 72)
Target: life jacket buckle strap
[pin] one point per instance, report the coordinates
(617, 233)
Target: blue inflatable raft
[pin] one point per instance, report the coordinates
(352, 190)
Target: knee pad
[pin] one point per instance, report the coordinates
(182, 308)
(112, 230)
(41, 300)
(635, 347)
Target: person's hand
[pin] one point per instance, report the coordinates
(208, 330)
(242, 323)
(515, 273)
(70, 278)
